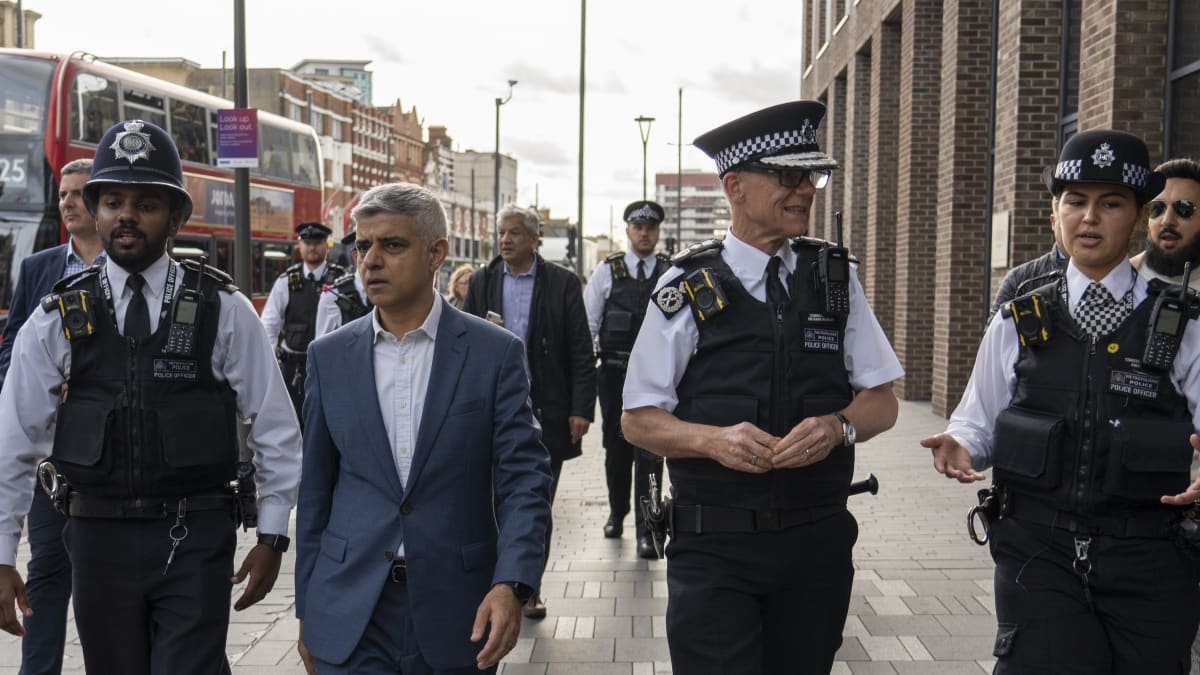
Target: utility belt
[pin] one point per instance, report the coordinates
(996, 503)
(702, 518)
(618, 360)
(85, 506)
(286, 355)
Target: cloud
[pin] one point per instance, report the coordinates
(541, 153)
(537, 79)
(756, 85)
(382, 49)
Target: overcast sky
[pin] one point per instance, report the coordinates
(452, 58)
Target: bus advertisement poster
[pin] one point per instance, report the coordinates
(237, 138)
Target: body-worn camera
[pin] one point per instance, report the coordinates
(78, 314)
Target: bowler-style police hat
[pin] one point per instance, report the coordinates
(137, 151)
(1105, 156)
(313, 232)
(645, 211)
(782, 136)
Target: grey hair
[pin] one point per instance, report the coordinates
(409, 200)
(77, 166)
(529, 218)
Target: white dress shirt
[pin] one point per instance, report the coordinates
(329, 315)
(402, 368)
(664, 346)
(241, 356)
(276, 305)
(595, 294)
(994, 376)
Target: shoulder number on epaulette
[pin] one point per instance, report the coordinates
(616, 263)
(697, 250)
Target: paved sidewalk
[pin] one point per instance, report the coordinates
(922, 600)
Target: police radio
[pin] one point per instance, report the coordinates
(1167, 321)
(833, 269)
(185, 313)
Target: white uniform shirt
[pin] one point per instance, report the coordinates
(272, 313)
(329, 315)
(241, 356)
(664, 346)
(994, 376)
(402, 368)
(600, 285)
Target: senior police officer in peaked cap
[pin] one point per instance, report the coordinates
(131, 379)
(616, 298)
(290, 313)
(345, 299)
(1083, 400)
(758, 366)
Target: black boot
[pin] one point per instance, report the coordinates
(646, 548)
(614, 527)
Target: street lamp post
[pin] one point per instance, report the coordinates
(644, 130)
(496, 171)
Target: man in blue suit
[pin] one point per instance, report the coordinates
(48, 578)
(425, 493)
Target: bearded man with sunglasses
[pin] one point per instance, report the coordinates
(755, 387)
(1173, 237)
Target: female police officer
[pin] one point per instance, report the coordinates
(1086, 426)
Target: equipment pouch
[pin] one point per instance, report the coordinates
(1149, 458)
(1028, 447)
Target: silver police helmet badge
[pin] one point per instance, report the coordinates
(1104, 156)
(670, 298)
(133, 143)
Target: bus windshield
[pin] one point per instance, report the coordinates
(24, 96)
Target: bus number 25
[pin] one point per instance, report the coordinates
(12, 170)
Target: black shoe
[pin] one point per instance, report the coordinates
(646, 548)
(613, 528)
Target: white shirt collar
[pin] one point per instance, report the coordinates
(155, 276)
(428, 327)
(318, 271)
(632, 259)
(1119, 281)
(749, 262)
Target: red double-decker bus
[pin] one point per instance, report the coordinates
(55, 108)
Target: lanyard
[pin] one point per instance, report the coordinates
(168, 292)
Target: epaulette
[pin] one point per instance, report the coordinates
(663, 257)
(616, 263)
(1033, 283)
(294, 267)
(813, 242)
(340, 281)
(698, 250)
(72, 279)
(224, 281)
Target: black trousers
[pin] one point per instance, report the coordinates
(620, 456)
(767, 603)
(135, 620)
(295, 368)
(1138, 612)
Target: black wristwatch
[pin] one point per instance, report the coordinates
(523, 591)
(278, 542)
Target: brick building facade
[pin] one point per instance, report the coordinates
(935, 216)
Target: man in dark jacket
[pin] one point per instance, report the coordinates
(1041, 267)
(542, 303)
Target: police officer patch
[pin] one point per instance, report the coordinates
(670, 299)
(133, 143)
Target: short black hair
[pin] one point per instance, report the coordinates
(1180, 168)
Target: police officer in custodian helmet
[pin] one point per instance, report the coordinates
(131, 380)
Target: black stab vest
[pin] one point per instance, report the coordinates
(349, 302)
(1088, 428)
(300, 315)
(625, 308)
(771, 369)
(140, 423)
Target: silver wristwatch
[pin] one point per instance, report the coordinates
(849, 433)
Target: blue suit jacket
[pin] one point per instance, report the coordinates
(36, 278)
(474, 511)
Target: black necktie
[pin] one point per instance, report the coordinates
(312, 276)
(641, 270)
(776, 294)
(137, 314)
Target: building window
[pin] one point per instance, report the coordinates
(1068, 73)
(1183, 81)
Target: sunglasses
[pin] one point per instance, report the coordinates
(791, 178)
(1184, 208)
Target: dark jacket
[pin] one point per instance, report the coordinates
(562, 366)
(37, 276)
(1041, 266)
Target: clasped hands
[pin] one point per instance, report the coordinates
(745, 447)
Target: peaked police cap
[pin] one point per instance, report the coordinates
(1105, 156)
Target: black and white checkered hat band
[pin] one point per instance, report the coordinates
(1135, 175)
(1069, 170)
(644, 213)
(760, 146)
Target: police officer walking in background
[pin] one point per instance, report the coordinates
(290, 314)
(1082, 400)
(131, 378)
(616, 298)
(345, 299)
(755, 371)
